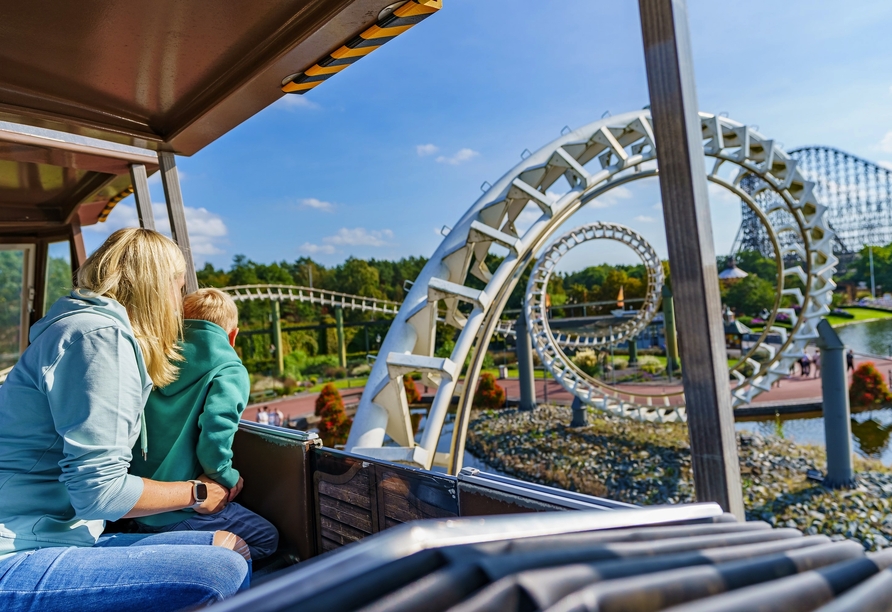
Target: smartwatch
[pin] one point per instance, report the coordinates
(199, 493)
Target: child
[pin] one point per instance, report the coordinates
(191, 423)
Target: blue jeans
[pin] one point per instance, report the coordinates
(127, 571)
(257, 532)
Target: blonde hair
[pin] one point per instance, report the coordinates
(138, 268)
(212, 305)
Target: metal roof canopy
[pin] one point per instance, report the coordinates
(164, 75)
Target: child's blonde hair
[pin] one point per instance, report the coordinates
(212, 305)
(138, 268)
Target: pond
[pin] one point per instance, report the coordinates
(871, 429)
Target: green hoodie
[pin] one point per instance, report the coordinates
(192, 421)
(69, 415)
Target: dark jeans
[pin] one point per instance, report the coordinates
(257, 532)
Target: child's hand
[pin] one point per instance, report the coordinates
(234, 491)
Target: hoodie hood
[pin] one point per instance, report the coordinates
(82, 301)
(205, 349)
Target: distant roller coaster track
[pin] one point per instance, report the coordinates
(309, 295)
(856, 192)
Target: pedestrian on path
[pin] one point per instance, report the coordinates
(850, 360)
(263, 416)
(816, 361)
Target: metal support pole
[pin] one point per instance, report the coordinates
(672, 363)
(277, 338)
(525, 374)
(76, 243)
(176, 210)
(679, 145)
(633, 352)
(873, 285)
(142, 196)
(837, 416)
(579, 413)
(342, 345)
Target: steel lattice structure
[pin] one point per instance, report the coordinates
(856, 192)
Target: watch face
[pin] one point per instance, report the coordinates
(201, 492)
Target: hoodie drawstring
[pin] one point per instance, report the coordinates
(143, 437)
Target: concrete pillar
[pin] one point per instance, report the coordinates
(672, 364)
(342, 344)
(524, 348)
(277, 338)
(837, 415)
(633, 351)
(579, 413)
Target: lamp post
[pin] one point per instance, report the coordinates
(873, 286)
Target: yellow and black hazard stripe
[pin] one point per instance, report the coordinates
(388, 28)
(112, 203)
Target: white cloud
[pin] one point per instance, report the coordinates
(294, 102)
(426, 149)
(612, 197)
(460, 157)
(886, 143)
(317, 204)
(315, 249)
(359, 236)
(206, 229)
(645, 219)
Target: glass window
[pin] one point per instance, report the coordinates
(58, 273)
(12, 265)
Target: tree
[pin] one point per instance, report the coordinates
(868, 387)
(750, 295)
(334, 424)
(489, 394)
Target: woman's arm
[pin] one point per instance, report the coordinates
(158, 497)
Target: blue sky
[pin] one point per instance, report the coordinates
(379, 157)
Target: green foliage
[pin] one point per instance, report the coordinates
(489, 394)
(753, 262)
(589, 362)
(649, 364)
(10, 305)
(868, 387)
(750, 295)
(334, 424)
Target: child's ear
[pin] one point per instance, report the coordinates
(232, 336)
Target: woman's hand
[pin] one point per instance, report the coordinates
(234, 491)
(218, 496)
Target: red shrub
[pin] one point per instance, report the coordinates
(868, 387)
(328, 395)
(334, 424)
(412, 393)
(489, 394)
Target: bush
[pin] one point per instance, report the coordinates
(334, 372)
(334, 424)
(587, 360)
(361, 370)
(328, 395)
(619, 363)
(290, 386)
(649, 364)
(868, 387)
(839, 312)
(489, 394)
(412, 394)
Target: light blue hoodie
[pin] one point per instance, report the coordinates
(69, 414)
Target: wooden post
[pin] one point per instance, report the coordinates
(176, 210)
(142, 196)
(679, 143)
(41, 261)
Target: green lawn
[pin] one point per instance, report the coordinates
(861, 314)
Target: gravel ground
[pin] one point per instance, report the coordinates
(646, 464)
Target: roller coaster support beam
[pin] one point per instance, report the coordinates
(342, 344)
(525, 373)
(837, 415)
(277, 338)
(672, 363)
(633, 351)
(679, 145)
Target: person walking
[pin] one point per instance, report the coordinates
(816, 362)
(850, 360)
(263, 416)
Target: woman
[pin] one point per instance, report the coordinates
(69, 415)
